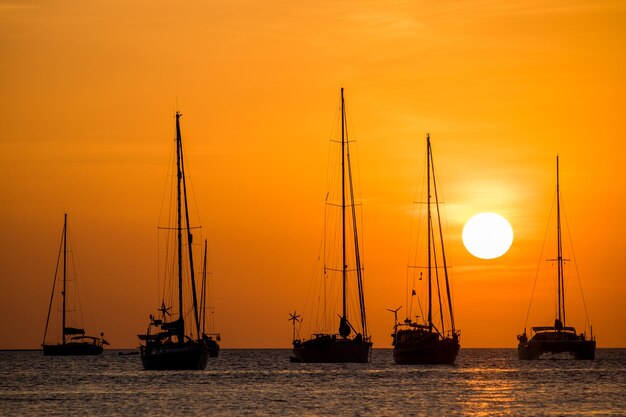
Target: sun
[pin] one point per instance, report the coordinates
(487, 235)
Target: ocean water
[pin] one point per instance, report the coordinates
(484, 382)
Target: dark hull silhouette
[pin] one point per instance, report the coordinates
(186, 356)
(330, 349)
(415, 347)
(555, 342)
(73, 349)
(214, 347)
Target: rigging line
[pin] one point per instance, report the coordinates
(78, 308)
(56, 270)
(437, 279)
(190, 248)
(168, 185)
(424, 267)
(162, 264)
(545, 238)
(580, 286)
(330, 171)
(347, 205)
(413, 250)
(317, 269)
(82, 292)
(443, 252)
(189, 177)
(203, 291)
(357, 254)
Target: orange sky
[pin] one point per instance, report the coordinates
(89, 91)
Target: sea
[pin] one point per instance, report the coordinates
(262, 382)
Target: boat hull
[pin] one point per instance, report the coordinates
(214, 348)
(328, 349)
(187, 356)
(72, 349)
(579, 349)
(414, 347)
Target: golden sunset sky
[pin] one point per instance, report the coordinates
(89, 92)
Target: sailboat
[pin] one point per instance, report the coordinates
(348, 344)
(171, 344)
(211, 339)
(558, 338)
(427, 342)
(74, 341)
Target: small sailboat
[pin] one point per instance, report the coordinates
(170, 342)
(351, 342)
(210, 337)
(434, 340)
(558, 338)
(74, 341)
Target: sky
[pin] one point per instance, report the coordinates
(89, 93)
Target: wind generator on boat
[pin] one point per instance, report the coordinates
(74, 341)
(351, 342)
(558, 338)
(170, 342)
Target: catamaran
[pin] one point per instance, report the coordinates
(74, 341)
(560, 337)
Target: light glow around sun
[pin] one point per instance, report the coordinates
(487, 235)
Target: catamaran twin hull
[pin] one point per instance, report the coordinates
(556, 342)
(329, 349)
(188, 356)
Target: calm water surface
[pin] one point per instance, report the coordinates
(484, 382)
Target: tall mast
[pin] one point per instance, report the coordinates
(181, 329)
(357, 252)
(64, 273)
(430, 295)
(343, 204)
(560, 284)
(189, 243)
(443, 251)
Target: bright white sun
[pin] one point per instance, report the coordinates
(487, 235)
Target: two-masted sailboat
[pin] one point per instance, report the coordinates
(170, 342)
(558, 338)
(351, 342)
(74, 341)
(434, 340)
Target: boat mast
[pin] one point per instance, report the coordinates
(430, 295)
(560, 284)
(64, 273)
(443, 251)
(181, 326)
(189, 242)
(343, 207)
(357, 252)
